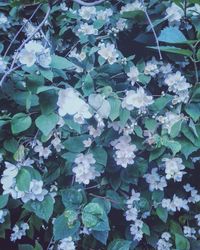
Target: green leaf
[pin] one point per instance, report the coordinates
(182, 243)
(46, 123)
(43, 209)
(3, 200)
(100, 236)
(95, 217)
(71, 198)
(88, 85)
(173, 145)
(155, 154)
(75, 144)
(124, 115)
(119, 244)
(172, 35)
(59, 62)
(115, 105)
(100, 156)
(139, 15)
(145, 229)
(47, 73)
(23, 180)
(160, 103)
(162, 213)
(193, 110)
(63, 229)
(175, 50)
(25, 247)
(20, 122)
(176, 128)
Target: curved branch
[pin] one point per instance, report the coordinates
(11, 69)
(89, 4)
(152, 28)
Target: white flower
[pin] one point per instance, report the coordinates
(85, 170)
(155, 181)
(70, 103)
(3, 19)
(176, 82)
(87, 29)
(36, 191)
(63, 7)
(56, 142)
(169, 120)
(28, 55)
(189, 232)
(4, 22)
(173, 169)
(125, 152)
(136, 230)
(43, 151)
(195, 197)
(174, 13)
(101, 105)
(197, 217)
(30, 29)
(163, 243)
(131, 214)
(104, 14)
(176, 204)
(66, 244)
(44, 58)
(133, 75)
(8, 176)
(151, 68)
(108, 52)
(121, 24)
(87, 143)
(19, 231)
(3, 213)
(80, 57)
(136, 5)
(87, 13)
(34, 46)
(94, 132)
(136, 99)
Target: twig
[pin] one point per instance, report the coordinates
(21, 30)
(153, 30)
(105, 198)
(88, 4)
(22, 45)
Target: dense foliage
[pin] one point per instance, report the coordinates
(99, 125)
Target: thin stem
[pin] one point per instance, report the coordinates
(88, 4)
(27, 21)
(153, 30)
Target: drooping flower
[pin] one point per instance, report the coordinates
(125, 151)
(84, 169)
